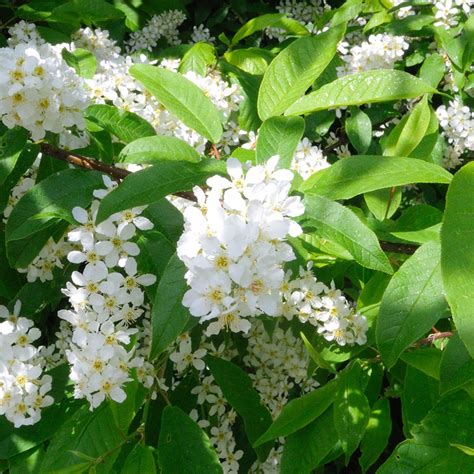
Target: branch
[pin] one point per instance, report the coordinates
(408, 249)
(92, 164)
(433, 337)
(83, 162)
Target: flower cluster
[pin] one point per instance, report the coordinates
(405, 11)
(23, 387)
(38, 90)
(324, 307)
(233, 244)
(160, 26)
(51, 256)
(457, 122)
(380, 51)
(448, 12)
(106, 298)
(201, 33)
(308, 159)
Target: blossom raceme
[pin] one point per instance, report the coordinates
(234, 244)
(23, 386)
(106, 297)
(39, 91)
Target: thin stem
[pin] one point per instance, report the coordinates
(408, 249)
(433, 337)
(91, 164)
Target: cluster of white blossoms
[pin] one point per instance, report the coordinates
(51, 256)
(38, 90)
(234, 248)
(380, 51)
(308, 159)
(164, 25)
(448, 12)
(457, 122)
(23, 387)
(324, 307)
(106, 298)
(233, 244)
(201, 33)
(405, 11)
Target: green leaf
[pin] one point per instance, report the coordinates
(35, 296)
(276, 20)
(307, 448)
(432, 69)
(424, 359)
(85, 11)
(465, 449)
(362, 88)
(155, 252)
(340, 225)
(457, 252)
(376, 435)
(457, 366)
(182, 98)
(431, 450)
(295, 69)
(156, 182)
(168, 315)
(47, 202)
(28, 462)
(237, 388)
(356, 175)
(467, 39)
(359, 130)
(149, 150)
(314, 354)
(412, 303)
(300, 412)
(198, 58)
(383, 203)
(126, 126)
(90, 433)
(23, 163)
(52, 198)
(419, 395)
(279, 136)
(141, 460)
(82, 61)
(12, 143)
(251, 60)
(166, 218)
(419, 224)
(409, 132)
(183, 446)
(351, 410)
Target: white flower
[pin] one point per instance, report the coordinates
(38, 90)
(184, 358)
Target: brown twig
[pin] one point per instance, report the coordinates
(408, 249)
(91, 164)
(83, 162)
(433, 337)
